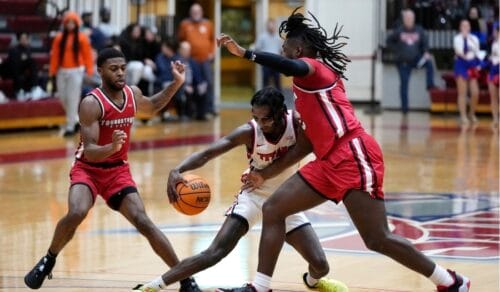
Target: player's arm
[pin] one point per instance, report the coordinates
(151, 105)
(240, 136)
(301, 148)
(90, 112)
(289, 67)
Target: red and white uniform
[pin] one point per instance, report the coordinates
(346, 156)
(249, 204)
(111, 175)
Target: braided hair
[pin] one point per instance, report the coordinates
(273, 98)
(316, 39)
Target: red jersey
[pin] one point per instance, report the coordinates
(113, 117)
(326, 113)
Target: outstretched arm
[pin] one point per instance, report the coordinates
(90, 113)
(151, 105)
(289, 67)
(241, 136)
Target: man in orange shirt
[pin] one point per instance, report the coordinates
(70, 56)
(199, 33)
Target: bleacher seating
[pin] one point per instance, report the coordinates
(444, 100)
(28, 16)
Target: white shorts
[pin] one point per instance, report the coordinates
(249, 206)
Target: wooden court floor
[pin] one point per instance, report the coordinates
(441, 184)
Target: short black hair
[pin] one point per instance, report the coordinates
(272, 98)
(108, 53)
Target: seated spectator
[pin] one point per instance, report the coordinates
(105, 26)
(21, 67)
(196, 88)
(164, 77)
(132, 46)
(477, 26)
(151, 48)
(98, 40)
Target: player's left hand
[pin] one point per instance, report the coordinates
(231, 45)
(252, 181)
(178, 70)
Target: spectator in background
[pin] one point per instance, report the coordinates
(410, 44)
(196, 87)
(269, 41)
(71, 51)
(466, 71)
(105, 26)
(477, 26)
(493, 76)
(199, 33)
(164, 75)
(132, 45)
(21, 67)
(97, 38)
(151, 47)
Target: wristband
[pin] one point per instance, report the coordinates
(250, 55)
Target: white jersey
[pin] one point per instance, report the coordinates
(264, 152)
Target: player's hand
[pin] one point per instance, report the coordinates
(252, 181)
(118, 139)
(174, 178)
(231, 45)
(178, 70)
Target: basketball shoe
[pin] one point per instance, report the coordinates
(461, 284)
(187, 285)
(34, 279)
(247, 288)
(144, 289)
(326, 285)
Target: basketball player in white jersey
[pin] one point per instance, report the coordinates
(272, 131)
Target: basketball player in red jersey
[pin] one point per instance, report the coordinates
(349, 166)
(272, 131)
(101, 167)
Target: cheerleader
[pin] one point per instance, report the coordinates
(493, 78)
(466, 71)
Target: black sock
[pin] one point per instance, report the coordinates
(51, 255)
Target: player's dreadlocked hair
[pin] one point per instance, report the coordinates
(315, 38)
(273, 98)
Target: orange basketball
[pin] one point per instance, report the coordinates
(194, 196)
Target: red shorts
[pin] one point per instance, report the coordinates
(354, 164)
(105, 182)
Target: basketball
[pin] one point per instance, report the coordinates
(194, 196)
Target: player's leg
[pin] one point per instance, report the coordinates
(293, 196)
(80, 200)
(224, 242)
(129, 204)
(132, 207)
(369, 217)
(305, 241)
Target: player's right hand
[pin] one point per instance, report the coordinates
(118, 139)
(174, 178)
(252, 181)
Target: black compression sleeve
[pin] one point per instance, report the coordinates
(284, 65)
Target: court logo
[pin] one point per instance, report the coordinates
(445, 225)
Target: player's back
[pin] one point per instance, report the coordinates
(324, 108)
